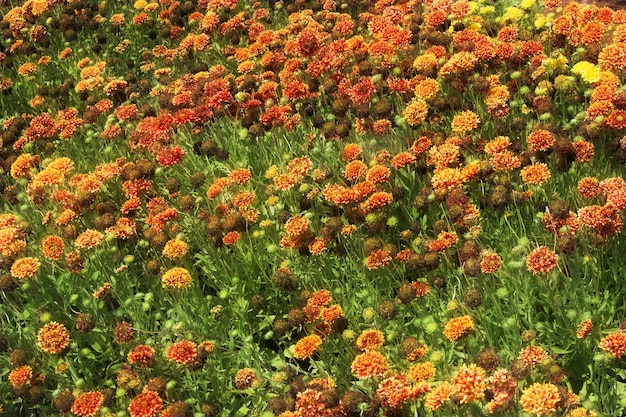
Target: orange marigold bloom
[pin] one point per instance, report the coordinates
(330, 314)
(505, 161)
(52, 247)
(415, 112)
(370, 340)
(460, 62)
(403, 159)
(355, 170)
(447, 179)
(499, 144)
(175, 248)
(244, 378)
(581, 412)
(351, 152)
(540, 399)
(396, 389)
(369, 364)
(177, 278)
(422, 371)
(231, 238)
(533, 355)
(378, 174)
(53, 338)
(379, 199)
(613, 57)
(465, 121)
(584, 151)
(540, 140)
(584, 328)
(469, 383)
(142, 354)
(537, 173)
(240, 176)
(21, 377)
(426, 62)
(183, 352)
(87, 404)
(88, 239)
(377, 259)
(490, 263)
(443, 155)
(306, 347)
(146, 404)
(588, 187)
(458, 327)
(541, 260)
(614, 343)
(296, 226)
(427, 89)
(25, 267)
(617, 118)
(438, 396)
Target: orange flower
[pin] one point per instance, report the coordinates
(87, 404)
(146, 404)
(183, 352)
(379, 199)
(588, 187)
(422, 371)
(427, 89)
(231, 238)
(490, 263)
(541, 260)
(377, 259)
(537, 173)
(52, 247)
(88, 239)
(369, 364)
(396, 389)
(458, 327)
(540, 399)
(306, 347)
(533, 355)
(21, 377)
(469, 383)
(614, 343)
(351, 152)
(613, 57)
(25, 267)
(584, 328)
(378, 174)
(447, 179)
(415, 112)
(355, 170)
(540, 140)
(175, 248)
(176, 278)
(53, 338)
(244, 378)
(370, 340)
(438, 396)
(465, 121)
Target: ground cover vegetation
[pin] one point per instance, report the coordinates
(312, 208)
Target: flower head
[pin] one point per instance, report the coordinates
(53, 338)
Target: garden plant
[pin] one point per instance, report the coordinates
(312, 208)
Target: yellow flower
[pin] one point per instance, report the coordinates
(487, 10)
(512, 14)
(589, 72)
(527, 4)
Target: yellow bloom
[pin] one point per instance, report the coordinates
(589, 72)
(512, 14)
(487, 10)
(527, 4)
